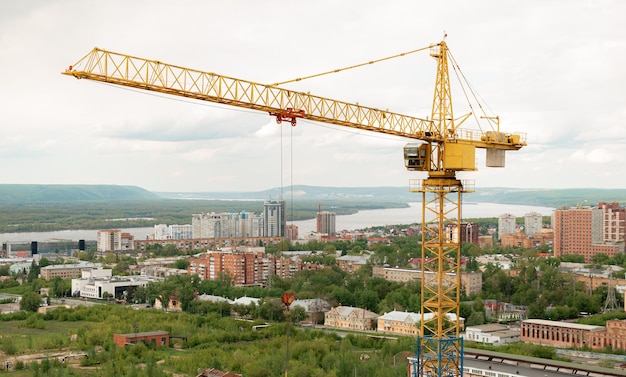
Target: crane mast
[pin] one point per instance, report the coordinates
(439, 350)
(443, 149)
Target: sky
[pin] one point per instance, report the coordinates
(551, 69)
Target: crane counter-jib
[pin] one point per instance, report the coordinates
(125, 70)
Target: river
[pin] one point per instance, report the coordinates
(359, 220)
(413, 214)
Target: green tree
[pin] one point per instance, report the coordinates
(537, 310)
(5, 270)
(476, 318)
(368, 299)
(138, 295)
(599, 258)
(33, 273)
(297, 314)
(181, 264)
(30, 302)
(61, 287)
(271, 309)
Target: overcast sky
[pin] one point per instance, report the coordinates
(554, 70)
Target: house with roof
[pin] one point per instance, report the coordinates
(407, 323)
(399, 323)
(314, 309)
(246, 301)
(214, 299)
(173, 305)
(351, 263)
(350, 318)
(156, 338)
(491, 333)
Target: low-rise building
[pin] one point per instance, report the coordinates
(20, 268)
(214, 299)
(491, 333)
(162, 272)
(66, 271)
(407, 323)
(314, 308)
(471, 282)
(527, 242)
(157, 338)
(95, 283)
(504, 312)
(173, 305)
(350, 318)
(562, 334)
(399, 323)
(351, 263)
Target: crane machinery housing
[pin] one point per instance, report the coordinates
(442, 149)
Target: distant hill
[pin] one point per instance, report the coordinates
(308, 193)
(24, 194)
(13, 194)
(548, 197)
(539, 197)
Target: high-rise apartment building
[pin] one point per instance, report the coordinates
(244, 268)
(506, 224)
(180, 232)
(580, 231)
(173, 232)
(614, 218)
(469, 232)
(533, 223)
(292, 232)
(237, 266)
(326, 223)
(206, 225)
(226, 225)
(109, 240)
(274, 221)
(114, 240)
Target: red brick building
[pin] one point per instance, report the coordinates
(581, 231)
(157, 338)
(246, 268)
(574, 335)
(524, 241)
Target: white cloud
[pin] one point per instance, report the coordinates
(550, 69)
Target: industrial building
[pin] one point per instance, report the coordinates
(99, 283)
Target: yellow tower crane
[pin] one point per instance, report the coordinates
(443, 149)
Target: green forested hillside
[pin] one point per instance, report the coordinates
(22, 194)
(548, 197)
(504, 195)
(25, 208)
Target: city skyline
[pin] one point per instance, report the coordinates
(548, 69)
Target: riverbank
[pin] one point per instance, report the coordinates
(360, 220)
